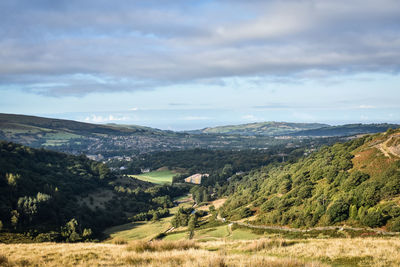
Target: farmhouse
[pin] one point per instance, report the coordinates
(196, 178)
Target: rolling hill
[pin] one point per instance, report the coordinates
(261, 128)
(347, 130)
(106, 141)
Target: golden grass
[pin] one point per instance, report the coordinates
(159, 245)
(265, 252)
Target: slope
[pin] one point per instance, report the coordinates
(356, 183)
(60, 195)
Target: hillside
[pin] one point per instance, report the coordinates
(347, 130)
(261, 128)
(354, 183)
(59, 195)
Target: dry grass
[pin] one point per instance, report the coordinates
(159, 245)
(119, 241)
(265, 244)
(216, 203)
(266, 252)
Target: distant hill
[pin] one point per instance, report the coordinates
(346, 130)
(13, 124)
(106, 141)
(261, 128)
(79, 137)
(353, 183)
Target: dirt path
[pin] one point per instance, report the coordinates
(387, 151)
(337, 228)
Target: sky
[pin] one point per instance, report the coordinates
(189, 64)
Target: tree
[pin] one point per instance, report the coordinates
(373, 218)
(205, 196)
(192, 225)
(155, 217)
(71, 231)
(353, 212)
(12, 179)
(338, 211)
(395, 225)
(14, 218)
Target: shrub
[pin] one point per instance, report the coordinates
(119, 241)
(338, 211)
(394, 225)
(4, 261)
(373, 218)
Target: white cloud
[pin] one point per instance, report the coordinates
(250, 117)
(366, 107)
(195, 118)
(134, 109)
(102, 119)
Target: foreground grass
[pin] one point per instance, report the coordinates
(156, 177)
(262, 252)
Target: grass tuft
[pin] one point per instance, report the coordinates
(160, 245)
(4, 261)
(265, 244)
(119, 241)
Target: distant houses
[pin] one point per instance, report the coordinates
(145, 170)
(196, 178)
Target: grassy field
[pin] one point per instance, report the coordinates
(275, 252)
(156, 177)
(142, 230)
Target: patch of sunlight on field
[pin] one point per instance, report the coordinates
(139, 230)
(156, 177)
(144, 230)
(212, 233)
(241, 234)
(176, 236)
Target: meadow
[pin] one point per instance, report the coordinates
(156, 177)
(367, 251)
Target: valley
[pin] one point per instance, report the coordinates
(200, 133)
(277, 205)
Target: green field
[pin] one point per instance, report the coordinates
(244, 234)
(156, 177)
(144, 230)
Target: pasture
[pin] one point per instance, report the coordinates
(156, 177)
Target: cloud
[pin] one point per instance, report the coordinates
(134, 109)
(103, 119)
(195, 118)
(75, 47)
(274, 106)
(250, 117)
(366, 107)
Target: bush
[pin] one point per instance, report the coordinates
(394, 225)
(119, 241)
(4, 261)
(48, 237)
(338, 211)
(373, 218)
